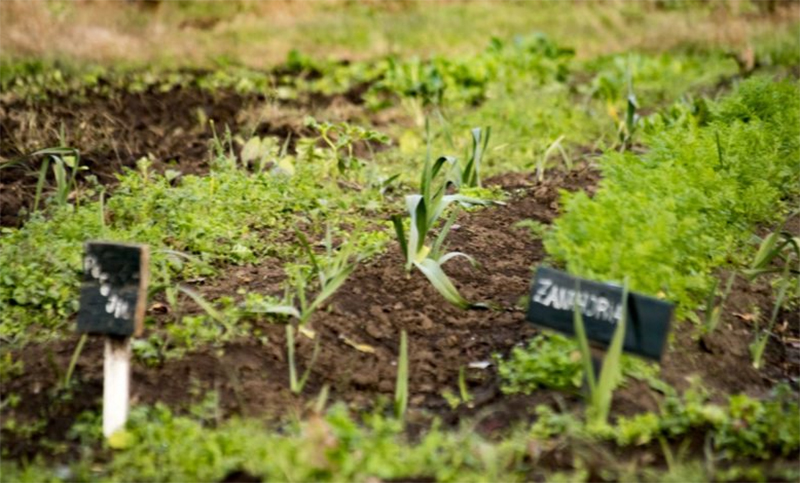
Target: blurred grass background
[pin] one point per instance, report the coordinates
(260, 34)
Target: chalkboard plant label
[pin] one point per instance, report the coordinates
(114, 289)
(555, 295)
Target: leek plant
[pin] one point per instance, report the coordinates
(295, 385)
(554, 146)
(628, 126)
(778, 248)
(713, 310)
(425, 211)
(332, 272)
(469, 175)
(401, 387)
(601, 389)
(66, 165)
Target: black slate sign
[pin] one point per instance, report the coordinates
(114, 289)
(553, 301)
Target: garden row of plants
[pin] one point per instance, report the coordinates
(659, 199)
(666, 219)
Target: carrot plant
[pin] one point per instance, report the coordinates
(667, 218)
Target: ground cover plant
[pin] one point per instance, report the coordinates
(344, 221)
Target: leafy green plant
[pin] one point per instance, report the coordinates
(342, 138)
(547, 361)
(669, 217)
(743, 427)
(602, 388)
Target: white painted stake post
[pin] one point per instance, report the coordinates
(116, 384)
(113, 299)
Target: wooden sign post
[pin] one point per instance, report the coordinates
(554, 299)
(112, 304)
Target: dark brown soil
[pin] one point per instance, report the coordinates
(372, 308)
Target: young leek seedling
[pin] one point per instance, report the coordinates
(601, 389)
(425, 211)
(401, 387)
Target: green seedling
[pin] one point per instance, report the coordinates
(342, 138)
(779, 252)
(713, 309)
(601, 389)
(552, 148)
(425, 211)
(74, 360)
(401, 387)
(628, 127)
(469, 176)
(332, 271)
(463, 397)
(295, 385)
(466, 397)
(263, 152)
(66, 165)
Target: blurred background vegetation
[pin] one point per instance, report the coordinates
(261, 34)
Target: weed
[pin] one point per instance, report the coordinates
(342, 138)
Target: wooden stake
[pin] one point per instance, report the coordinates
(116, 384)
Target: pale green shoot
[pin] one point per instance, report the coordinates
(551, 149)
(332, 272)
(295, 385)
(601, 389)
(66, 165)
(401, 387)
